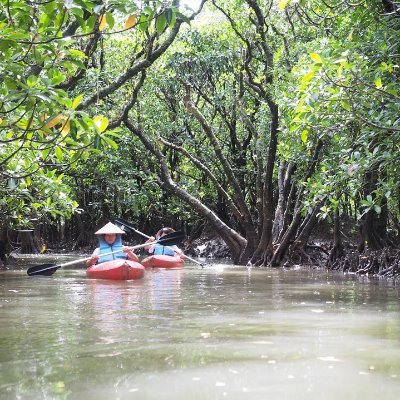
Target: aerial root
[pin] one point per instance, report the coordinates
(379, 263)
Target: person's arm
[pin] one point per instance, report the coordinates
(131, 255)
(95, 257)
(177, 250)
(150, 247)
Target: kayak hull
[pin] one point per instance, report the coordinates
(163, 261)
(117, 270)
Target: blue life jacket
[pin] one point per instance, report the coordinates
(163, 250)
(106, 248)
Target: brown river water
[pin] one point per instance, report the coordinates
(218, 332)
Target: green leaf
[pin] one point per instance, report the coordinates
(316, 58)
(307, 77)
(44, 22)
(10, 84)
(90, 23)
(143, 22)
(377, 209)
(74, 61)
(378, 83)
(110, 142)
(171, 16)
(56, 77)
(59, 153)
(97, 142)
(282, 4)
(77, 101)
(346, 106)
(161, 23)
(77, 53)
(183, 17)
(148, 11)
(304, 136)
(101, 123)
(31, 81)
(45, 153)
(78, 12)
(110, 20)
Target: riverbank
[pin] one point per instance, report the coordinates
(384, 263)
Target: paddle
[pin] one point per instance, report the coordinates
(125, 224)
(49, 269)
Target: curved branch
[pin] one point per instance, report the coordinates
(235, 242)
(138, 67)
(209, 174)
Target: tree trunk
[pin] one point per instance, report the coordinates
(337, 251)
(284, 244)
(4, 246)
(234, 241)
(373, 226)
(244, 217)
(284, 178)
(28, 242)
(306, 229)
(264, 250)
(289, 235)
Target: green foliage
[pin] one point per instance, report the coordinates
(44, 196)
(205, 59)
(344, 90)
(333, 69)
(46, 49)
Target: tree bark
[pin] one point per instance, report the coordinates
(28, 243)
(289, 235)
(245, 218)
(337, 251)
(373, 226)
(285, 174)
(234, 241)
(306, 229)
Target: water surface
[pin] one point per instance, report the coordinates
(219, 332)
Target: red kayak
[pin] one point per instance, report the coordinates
(163, 261)
(119, 270)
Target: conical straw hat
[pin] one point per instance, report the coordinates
(109, 228)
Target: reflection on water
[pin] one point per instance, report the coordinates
(212, 333)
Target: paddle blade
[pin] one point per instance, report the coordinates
(167, 240)
(172, 238)
(42, 269)
(124, 225)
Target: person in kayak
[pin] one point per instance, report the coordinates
(158, 249)
(110, 240)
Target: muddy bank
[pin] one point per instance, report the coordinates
(384, 263)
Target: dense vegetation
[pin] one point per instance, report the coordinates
(251, 120)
